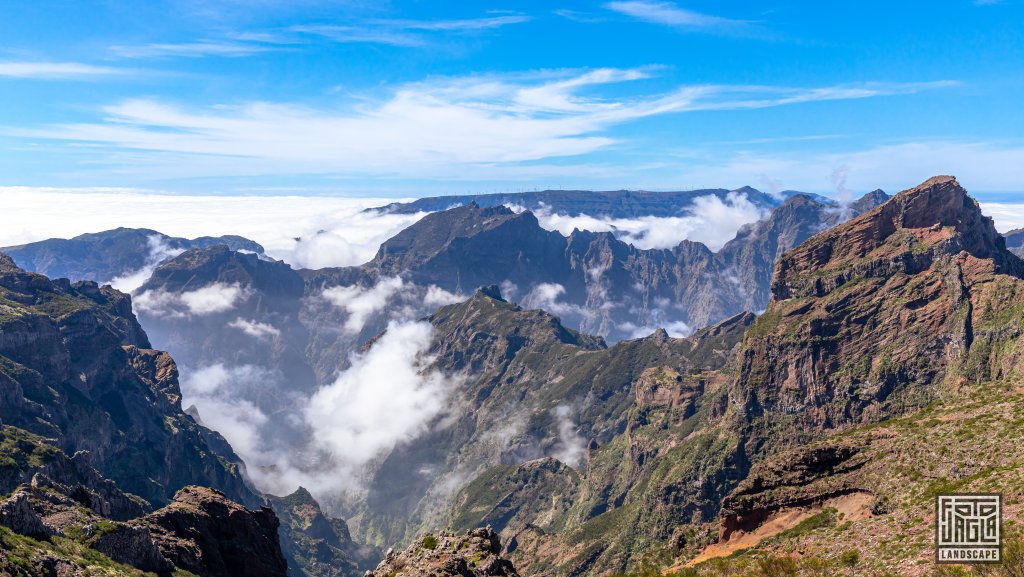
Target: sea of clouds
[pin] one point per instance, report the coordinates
(385, 395)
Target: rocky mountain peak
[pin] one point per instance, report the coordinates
(869, 200)
(7, 263)
(907, 233)
(491, 291)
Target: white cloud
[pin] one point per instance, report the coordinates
(362, 302)
(386, 396)
(676, 329)
(404, 33)
(437, 297)
(332, 231)
(55, 70)
(1007, 216)
(198, 49)
(710, 220)
(214, 298)
(571, 448)
(440, 128)
(254, 328)
(361, 35)
(983, 167)
(456, 25)
(546, 296)
(159, 251)
(221, 394)
(390, 298)
(669, 14)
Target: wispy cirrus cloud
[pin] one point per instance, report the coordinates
(55, 70)
(392, 32)
(197, 49)
(435, 128)
(404, 33)
(361, 34)
(668, 14)
(457, 24)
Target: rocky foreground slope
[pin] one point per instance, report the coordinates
(477, 553)
(93, 439)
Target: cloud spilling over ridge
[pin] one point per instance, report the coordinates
(304, 231)
(391, 298)
(326, 441)
(217, 391)
(710, 220)
(360, 302)
(159, 251)
(547, 296)
(387, 395)
(214, 298)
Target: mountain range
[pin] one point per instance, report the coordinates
(880, 369)
(609, 204)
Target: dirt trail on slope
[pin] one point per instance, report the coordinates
(853, 507)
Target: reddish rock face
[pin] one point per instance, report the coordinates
(205, 533)
(873, 318)
(666, 388)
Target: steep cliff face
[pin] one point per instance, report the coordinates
(912, 310)
(867, 319)
(76, 366)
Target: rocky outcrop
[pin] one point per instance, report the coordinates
(200, 531)
(16, 514)
(315, 544)
(665, 387)
(792, 480)
(475, 554)
(204, 532)
(868, 318)
(873, 319)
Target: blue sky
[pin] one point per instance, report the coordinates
(415, 98)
